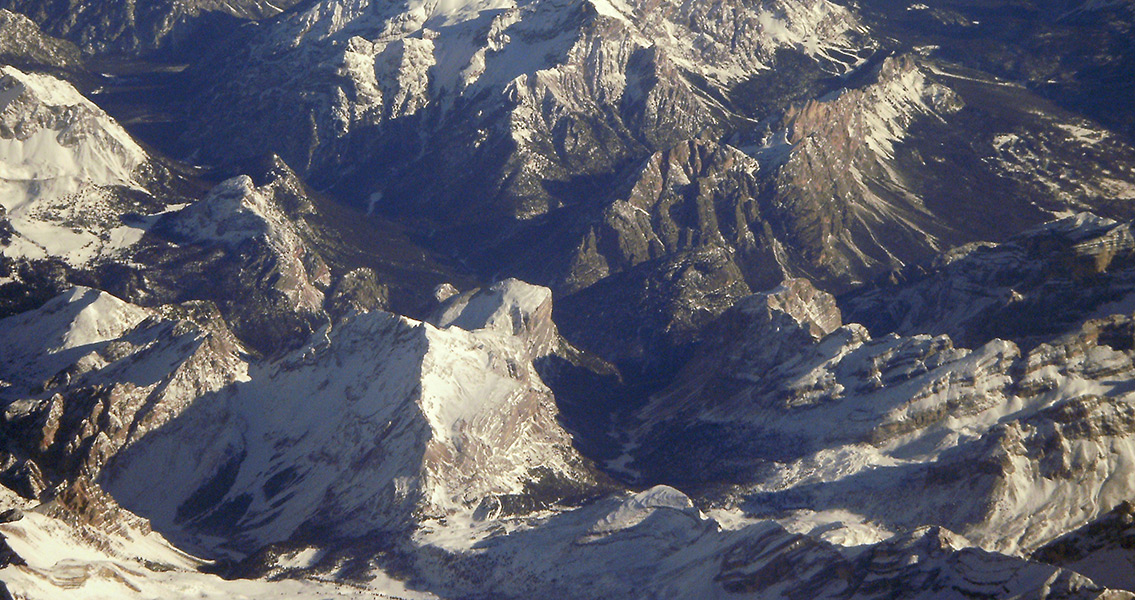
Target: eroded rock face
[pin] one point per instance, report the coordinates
(380, 424)
(695, 195)
(802, 413)
(103, 374)
(245, 248)
(805, 202)
(844, 149)
(136, 26)
(798, 301)
(23, 44)
(1031, 289)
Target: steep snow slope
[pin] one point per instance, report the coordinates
(64, 169)
(38, 345)
(58, 559)
(379, 423)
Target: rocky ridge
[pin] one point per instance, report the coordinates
(70, 173)
(139, 26)
(652, 164)
(899, 408)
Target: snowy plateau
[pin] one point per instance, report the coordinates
(509, 299)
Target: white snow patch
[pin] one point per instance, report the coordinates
(56, 173)
(638, 507)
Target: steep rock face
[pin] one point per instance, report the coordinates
(759, 216)
(130, 25)
(843, 150)
(1033, 287)
(87, 375)
(22, 44)
(244, 247)
(806, 415)
(886, 172)
(535, 94)
(807, 201)
(381, 423)
(694, 195)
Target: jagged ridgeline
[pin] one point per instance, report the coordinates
(567, 299)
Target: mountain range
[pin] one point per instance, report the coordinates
(567, 298)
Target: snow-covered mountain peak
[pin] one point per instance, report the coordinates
(638, 507)
(510, 307)
(60, 156)
(100, 317)
(443, 13)
(233, 212)
(35, 344)
(42, 89)
(49, 131)
(415, 422)
(238, 214)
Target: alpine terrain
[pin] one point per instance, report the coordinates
(508, 299)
